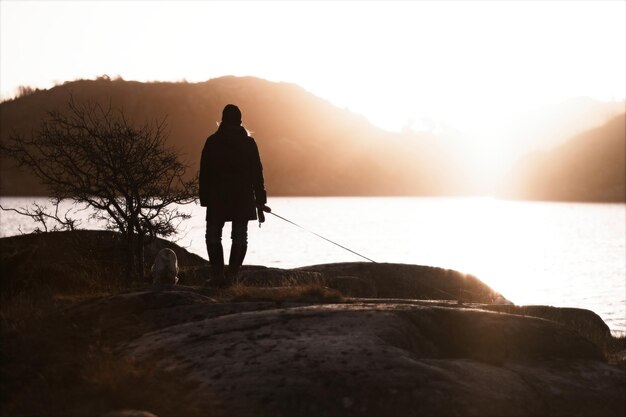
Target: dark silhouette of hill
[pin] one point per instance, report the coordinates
(308, 146)
(589, 167)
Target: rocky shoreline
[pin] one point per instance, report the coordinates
(350, 339)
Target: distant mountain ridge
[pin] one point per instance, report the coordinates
(591, 166)
(308, 146)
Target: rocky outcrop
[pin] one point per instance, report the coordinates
(411, 281)
(80, 260)
(358, 357)
(585, 322)
(402, 340)
(363, 279)
(76, 261)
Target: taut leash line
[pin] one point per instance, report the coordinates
(322, 237)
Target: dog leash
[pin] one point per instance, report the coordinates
(268, 210)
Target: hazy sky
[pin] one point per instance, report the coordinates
(397, 63)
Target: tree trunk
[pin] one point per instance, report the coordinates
(140, 254)
(129, 271)
(131, 253)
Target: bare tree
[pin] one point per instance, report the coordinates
(42, 215)
(92, 156)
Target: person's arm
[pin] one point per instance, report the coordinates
(204, 176)
(258, 184)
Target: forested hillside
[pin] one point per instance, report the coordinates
(308, 146)
(311, 147)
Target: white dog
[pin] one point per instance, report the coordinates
(165, 268)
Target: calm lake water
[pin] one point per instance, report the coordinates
(560, 254)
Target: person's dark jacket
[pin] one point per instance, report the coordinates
(231, 175)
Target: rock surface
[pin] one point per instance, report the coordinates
(359, 357)
(381, 280)
(405, 340)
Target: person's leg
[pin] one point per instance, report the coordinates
(214, 248)
(238, 250)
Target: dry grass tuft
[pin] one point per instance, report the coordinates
(117, 381)
(22, 310)
(280, 287)
(298, 292)
(18, 312)
(51, 367)
(616, 350)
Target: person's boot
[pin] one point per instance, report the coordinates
(237, 255)
(216, 258)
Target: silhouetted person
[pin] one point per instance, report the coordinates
(232, 189)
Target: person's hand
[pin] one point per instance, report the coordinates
(261, 210)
